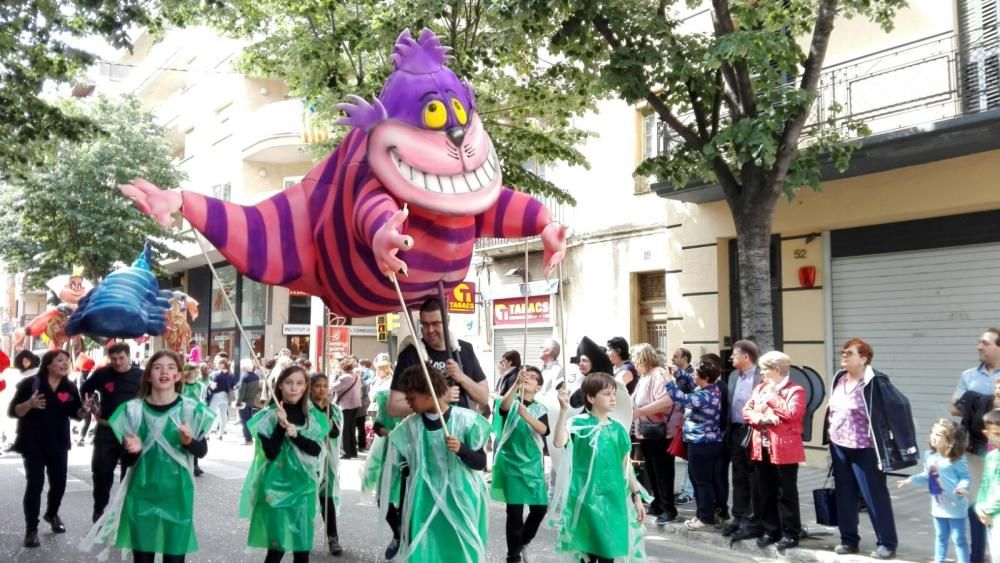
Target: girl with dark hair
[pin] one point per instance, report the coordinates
(162, 433)
(329, 493)
(281, 486)
(702, 434)
(43, 405)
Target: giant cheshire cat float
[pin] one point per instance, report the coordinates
(340, 231)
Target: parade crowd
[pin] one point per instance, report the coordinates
(441, 445)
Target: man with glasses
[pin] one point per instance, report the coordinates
(979, 379)
(467, 384)
(552, 370)
(742, 382)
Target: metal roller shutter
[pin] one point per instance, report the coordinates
(922, 312)
(513, 339)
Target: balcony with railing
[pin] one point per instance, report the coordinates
(923, 101)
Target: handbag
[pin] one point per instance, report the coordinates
(825, 500)
(677, 447)
(651, 430)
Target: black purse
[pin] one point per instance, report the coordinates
(651, 430)
(825, 500)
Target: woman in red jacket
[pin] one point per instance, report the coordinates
(775, 412)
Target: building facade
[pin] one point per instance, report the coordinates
(900, 250)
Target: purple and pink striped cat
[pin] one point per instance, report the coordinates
(343, 228)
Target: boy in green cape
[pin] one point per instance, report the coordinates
(444, 494)
(162, 433)
(329, 489)
(597, 501)
(375, 470)
(519, 468)
(282, 484)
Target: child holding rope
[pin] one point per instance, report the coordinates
(329, 492)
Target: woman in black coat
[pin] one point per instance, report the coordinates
(43, 405)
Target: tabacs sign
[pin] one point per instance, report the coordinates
(462, 299)
(512, 312)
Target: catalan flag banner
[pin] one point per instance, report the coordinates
(311, 132)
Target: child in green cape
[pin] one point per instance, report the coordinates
(282, 484)
(597, 500)
(519, 468)
(375, 470)
(194, 389)
(162, 433)
(444, 494)
(329, 490)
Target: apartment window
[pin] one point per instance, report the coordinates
(222, 191)
(979, 36)
(654, 136)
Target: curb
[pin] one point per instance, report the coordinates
(811, 550)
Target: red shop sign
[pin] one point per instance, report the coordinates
(511, 312)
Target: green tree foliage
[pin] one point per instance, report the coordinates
(35, 53)
(68, 212)
(737, 99)
(327, 49)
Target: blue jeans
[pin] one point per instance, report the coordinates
(953, 529)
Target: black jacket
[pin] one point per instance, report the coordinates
(890, 423)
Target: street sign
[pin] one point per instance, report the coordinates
(338, 341)
(362, 330)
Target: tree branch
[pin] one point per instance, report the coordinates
(699, 112)
(788, 144)
(717, 102)
(738, 74)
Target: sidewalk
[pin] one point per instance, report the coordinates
(911, 507)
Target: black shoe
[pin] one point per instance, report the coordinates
(653, 513)
(665, 518)
(57, 525)
(842, 549)
(198, 472)
(731, 529)
(787, 542)
(392, 549)
(334, 545)
(96, 516)
(766, 540)
(31, 538)
(746, 533)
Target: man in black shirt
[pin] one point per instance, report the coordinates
(467, 384)
(116, 383)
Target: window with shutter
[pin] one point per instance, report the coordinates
(979, 39)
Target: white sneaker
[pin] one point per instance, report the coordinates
(524, 555)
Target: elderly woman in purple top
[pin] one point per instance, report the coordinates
(855, 462)
(702, 435)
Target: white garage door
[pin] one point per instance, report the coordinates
(922, 312)
(513, 339)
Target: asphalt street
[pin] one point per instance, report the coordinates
(222, 535)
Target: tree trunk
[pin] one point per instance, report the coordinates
(753, 241)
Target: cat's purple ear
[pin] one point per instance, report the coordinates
(360, 113)
(473, 106)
